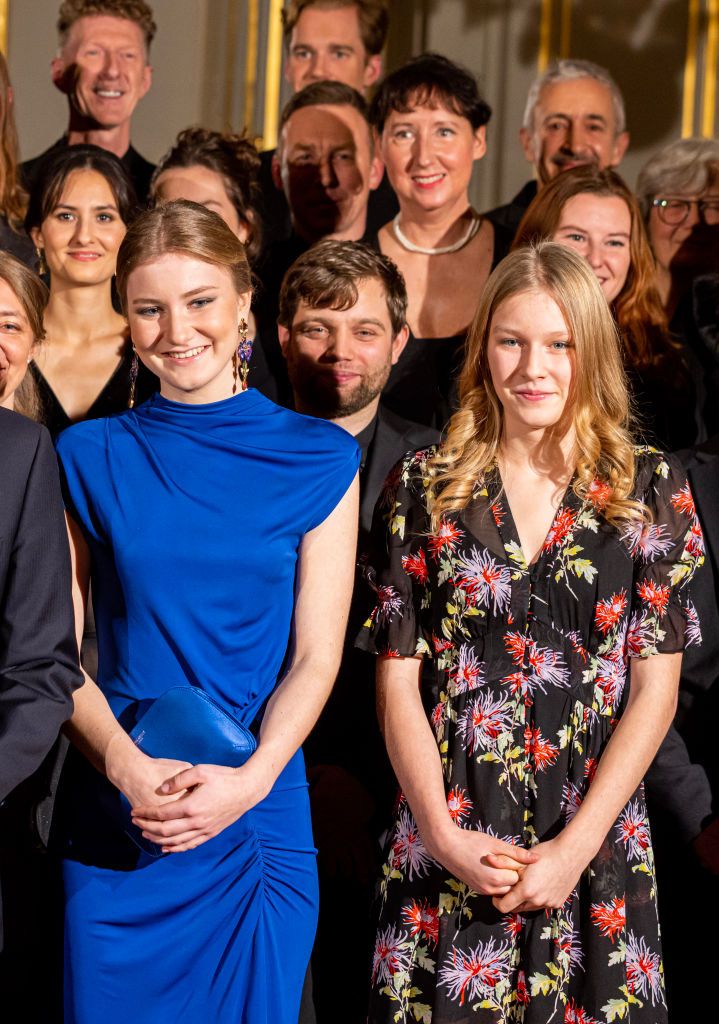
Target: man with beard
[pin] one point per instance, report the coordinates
(574, 115)
(342, 326)
(103, 68)
(326, 167)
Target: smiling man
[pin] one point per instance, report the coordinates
(574, 116)
(103, 68)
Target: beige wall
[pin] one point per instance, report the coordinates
(200, 61)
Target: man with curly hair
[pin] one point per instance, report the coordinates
(102, 66)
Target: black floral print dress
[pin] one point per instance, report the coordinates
(529, 666)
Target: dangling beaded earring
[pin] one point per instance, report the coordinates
(134, 366)
(241, 358)
(41, 264)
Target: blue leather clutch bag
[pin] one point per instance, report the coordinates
(185, 724)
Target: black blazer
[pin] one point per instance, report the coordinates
(38, 652)
(683, 781)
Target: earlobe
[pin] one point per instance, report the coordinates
(620, 147)
(372, 71)
(398, 343)
(480, 142)
(284, 337)
(376, 173)
(276, 173)
(526, 139)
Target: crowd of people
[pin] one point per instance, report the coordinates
(358, 577)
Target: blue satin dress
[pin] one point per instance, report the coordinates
(194, 515)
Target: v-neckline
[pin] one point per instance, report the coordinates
(507, 525)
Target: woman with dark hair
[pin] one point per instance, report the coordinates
(430, 120)
(220, 532)
(595, 213)
(539, 565)
(77, 217)
(220, 171)
(13, 238)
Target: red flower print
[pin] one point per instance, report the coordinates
(560, 529)
(388, 602)
(692, 633)
(610, 679)
(599, 494)
(516, 644)
(610, 918)
(574, 1014)
(541, 665)
(684, 502)
(543, 753)
(438, 716)
(390, 955)
(571, 800)
(633, 830)
(467, 674)
(483, 721)
(416, 566)
(446, 538)
(408, 850)
(484, 580)
(440, 645)
(475, 972)
(513, 924)
(640, 636)
(695, 541)
(575, 639)
(422, 919)
(643, 967)
(459, 804)
(498, 512)
(607, 613)
(388, 652)
(522, 991)
(647, 540)
(590, 768)
(656, 595)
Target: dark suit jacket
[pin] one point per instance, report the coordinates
(347, 733)
(683, 781)
(138, 169)
(509, 216)
(38, 653)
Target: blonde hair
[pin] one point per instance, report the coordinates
(13, 199)
(33, 296)
(598, 406)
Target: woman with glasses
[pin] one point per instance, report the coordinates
(678, 191)
(595, 213)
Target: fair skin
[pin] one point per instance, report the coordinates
(599, 228)
(339, 360)
(532, 366)
(429, 153)
(573, 124)
(80, 239)
(103, 70)
(17, 344)
(683, 250)
(206, 187)
(178, 305)
(326, 168)
(326, 45)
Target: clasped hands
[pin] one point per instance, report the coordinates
(178, 806)
(518, 880)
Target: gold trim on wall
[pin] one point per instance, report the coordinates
(4, 16)
(711, 55)
(273, 75)
(233, 15)
(545, 36)
(690, 70)
(251, 51)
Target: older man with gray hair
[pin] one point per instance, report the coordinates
(574, 115)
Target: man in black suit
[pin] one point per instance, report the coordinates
(682, 783)
(342, 325)
(38, 651)
(574, 115)
(103, 68)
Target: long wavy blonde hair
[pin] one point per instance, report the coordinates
(598, 406)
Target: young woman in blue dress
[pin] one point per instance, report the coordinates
(219, 531)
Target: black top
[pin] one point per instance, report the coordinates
(113, 398)
(17, 244)
(138, 169)
(509, 216)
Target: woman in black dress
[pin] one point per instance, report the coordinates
(77, 217)
(542, 563)
(430, 120)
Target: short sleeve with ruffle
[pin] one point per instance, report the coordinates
(396, 571)
(667, 552)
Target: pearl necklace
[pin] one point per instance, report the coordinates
(441, 250)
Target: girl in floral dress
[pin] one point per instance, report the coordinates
(538, 563)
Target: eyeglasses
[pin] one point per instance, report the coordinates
(676, 211)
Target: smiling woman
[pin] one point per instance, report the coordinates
(77, 218)
(23, 298)
(220, 530)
